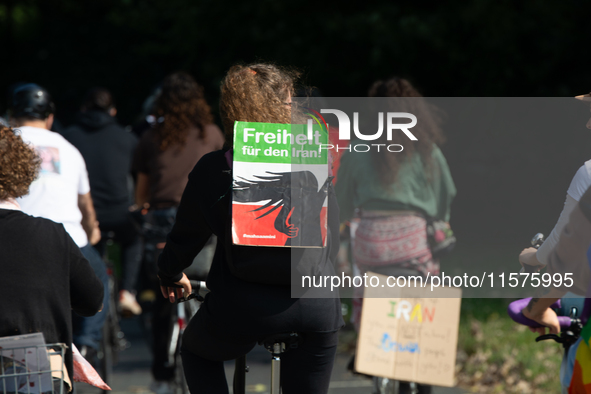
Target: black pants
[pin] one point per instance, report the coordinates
(131, 247)
(306, 369)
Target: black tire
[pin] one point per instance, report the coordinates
(105, 354)
(179, 376)
(383, 385)
(110, 341)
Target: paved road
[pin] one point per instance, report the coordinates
(132, 373)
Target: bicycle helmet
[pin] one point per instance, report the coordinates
(31, 100)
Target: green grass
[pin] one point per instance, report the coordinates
(495, 355)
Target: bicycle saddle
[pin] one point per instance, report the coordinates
(288, 340)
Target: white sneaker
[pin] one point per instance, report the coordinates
(128, 303)
(162, 387)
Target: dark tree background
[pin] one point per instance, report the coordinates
(451, 48)
(447, 48)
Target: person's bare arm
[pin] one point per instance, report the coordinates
(539, 310)
(89, 222)
(142, 189)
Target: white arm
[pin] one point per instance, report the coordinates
(544, 251)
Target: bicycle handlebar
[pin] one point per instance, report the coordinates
(530, 269)
(570, 326)
(536, 242)
(515, 308)
(199, 291)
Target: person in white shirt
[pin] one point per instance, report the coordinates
(60, 193)
(579, 184)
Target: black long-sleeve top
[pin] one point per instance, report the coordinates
(43, 276)
(251, 287)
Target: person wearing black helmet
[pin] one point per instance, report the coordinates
(30, 102)
(61, 192)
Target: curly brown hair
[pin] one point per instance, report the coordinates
(256, 93)
(427, 130)
(180, 105)
(19, 165)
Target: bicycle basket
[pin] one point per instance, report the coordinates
(34, 369)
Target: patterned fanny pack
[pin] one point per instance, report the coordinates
(440, 237)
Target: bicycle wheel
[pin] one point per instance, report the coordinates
(179, 377)
(189, 309)
(174, 355)
(389, 386)
(384, 386)
(105, 354)
(110, 343)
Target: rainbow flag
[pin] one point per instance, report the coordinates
(581, 381)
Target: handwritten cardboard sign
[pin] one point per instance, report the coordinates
(409, 334)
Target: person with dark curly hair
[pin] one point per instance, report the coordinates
(44, 274)
(395, 194)
(166, 154)
(250, 94)
(19, 167)
(250, 296)
(183, 133)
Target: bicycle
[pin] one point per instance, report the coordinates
(276, 344)
(383, 385)
(570, 326)
(184, 310)
(113, 339)
(154, 230)
(569, 311)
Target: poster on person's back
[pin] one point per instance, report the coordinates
(409, 333)
(280, 185)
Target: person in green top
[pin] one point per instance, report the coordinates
(388, 196)
(426, 191)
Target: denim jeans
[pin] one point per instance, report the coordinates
(158, 224)
(87, 331)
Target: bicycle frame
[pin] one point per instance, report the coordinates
(184, 309)
(113, 340)
(276, 345)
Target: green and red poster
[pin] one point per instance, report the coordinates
(280, 185)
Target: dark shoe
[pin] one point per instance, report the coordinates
(162, 387)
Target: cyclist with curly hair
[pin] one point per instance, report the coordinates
(61, 193)
(250, 296)
(166, 154)
(44, 274)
